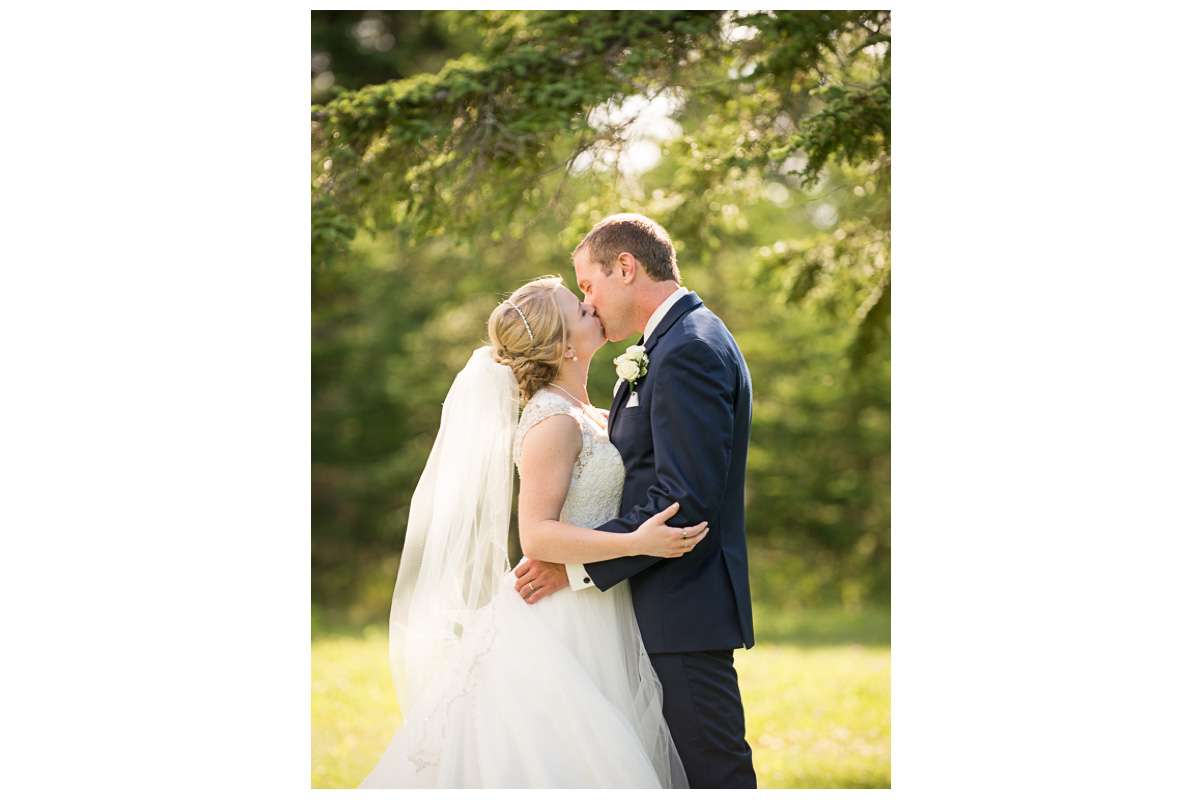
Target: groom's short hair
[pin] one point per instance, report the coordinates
(641, 237)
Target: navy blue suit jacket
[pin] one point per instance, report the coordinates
(686, 441)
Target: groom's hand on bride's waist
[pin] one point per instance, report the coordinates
(538, 579)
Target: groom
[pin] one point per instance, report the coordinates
(682, 429)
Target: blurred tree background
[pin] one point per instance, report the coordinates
(458, 154)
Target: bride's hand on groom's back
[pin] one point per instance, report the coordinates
(538, 579)
(655, 538)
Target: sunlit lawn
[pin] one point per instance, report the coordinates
(818, 718)
(817, 692)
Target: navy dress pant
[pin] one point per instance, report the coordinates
(703, 709)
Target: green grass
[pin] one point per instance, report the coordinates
(816, 688)
(818, 718)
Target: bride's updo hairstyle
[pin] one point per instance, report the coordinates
(535, 362)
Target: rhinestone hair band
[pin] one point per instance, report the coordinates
(527, 328)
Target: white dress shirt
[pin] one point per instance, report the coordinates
(575, 572)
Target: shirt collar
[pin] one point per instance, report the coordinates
(661, 311)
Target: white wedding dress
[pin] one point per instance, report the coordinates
(559, 694)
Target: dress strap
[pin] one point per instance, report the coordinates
(544, 405)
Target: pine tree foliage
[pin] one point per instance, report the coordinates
(489, 137)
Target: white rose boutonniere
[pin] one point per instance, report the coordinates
(633, 364)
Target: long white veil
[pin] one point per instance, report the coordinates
(456, 547)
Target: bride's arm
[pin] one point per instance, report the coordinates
(548, 456)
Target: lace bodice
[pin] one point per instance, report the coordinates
(599, 477)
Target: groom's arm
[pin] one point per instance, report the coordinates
(691, 422)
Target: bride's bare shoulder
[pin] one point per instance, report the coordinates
(555, 439)
(548, 429)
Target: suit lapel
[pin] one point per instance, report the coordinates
(618, 403)
(683, 306)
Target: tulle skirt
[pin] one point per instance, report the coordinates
(557, 695)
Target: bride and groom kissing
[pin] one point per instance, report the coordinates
(605, 658)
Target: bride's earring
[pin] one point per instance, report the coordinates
(574, 358)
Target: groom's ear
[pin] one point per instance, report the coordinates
(628, 266)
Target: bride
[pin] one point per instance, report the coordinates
(497, 693)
